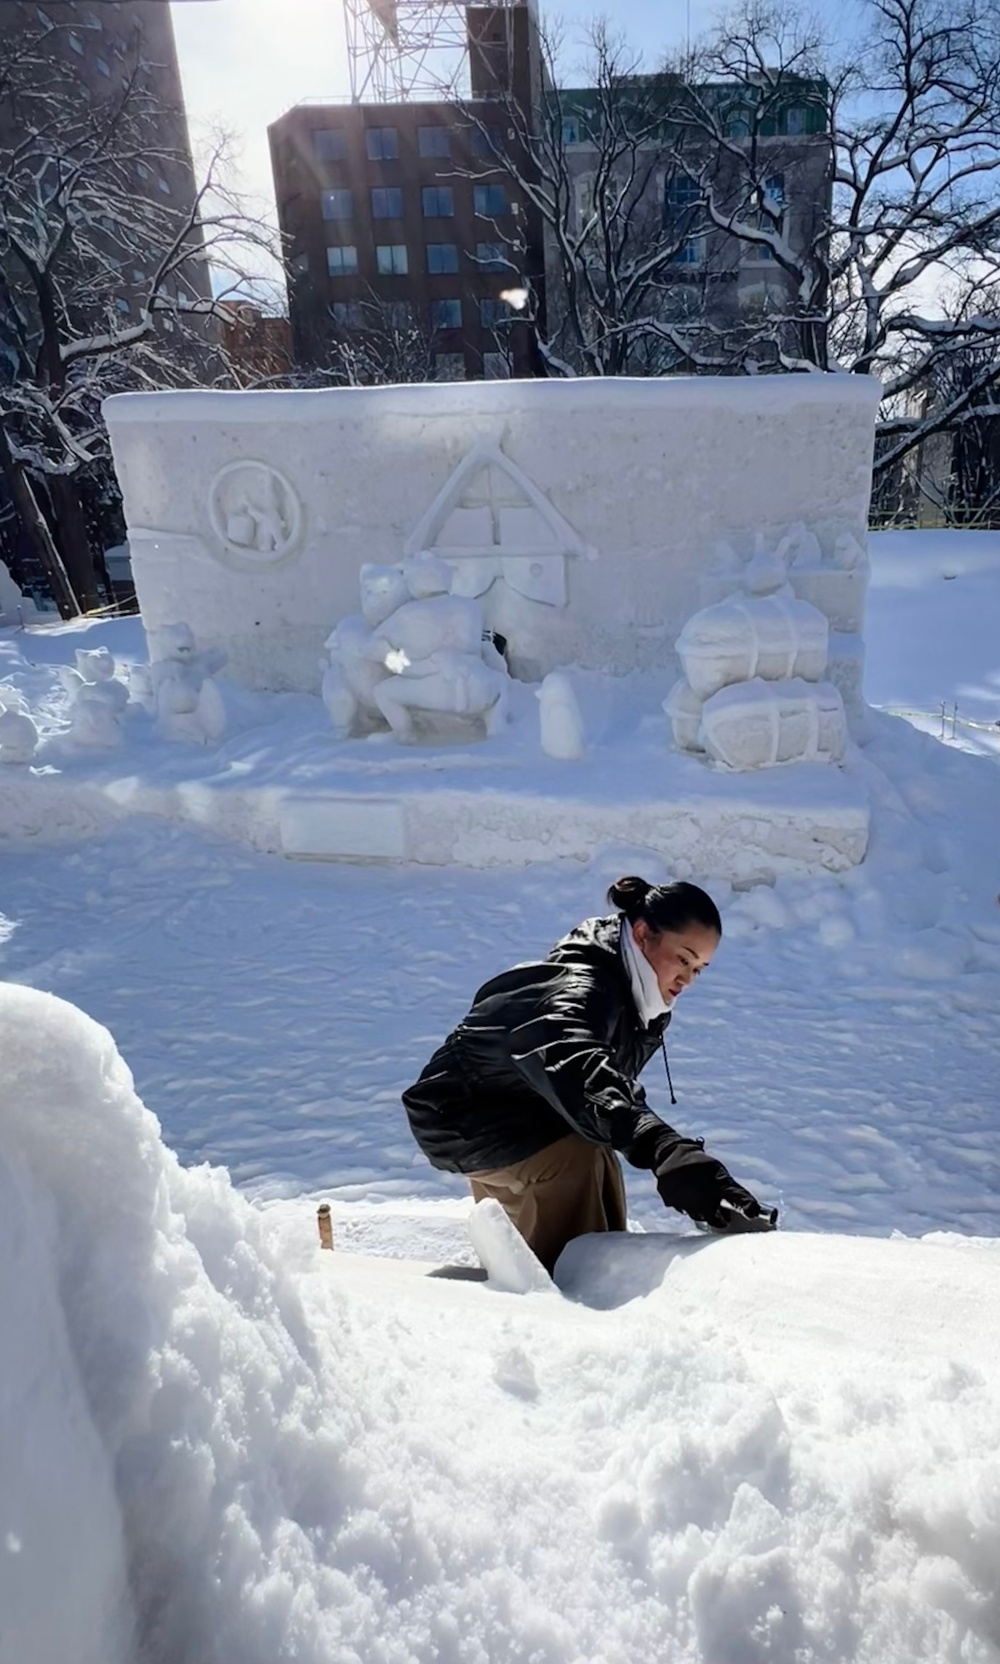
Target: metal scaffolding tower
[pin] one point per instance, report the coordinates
(410, 49)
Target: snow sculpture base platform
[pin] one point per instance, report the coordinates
(280, 783)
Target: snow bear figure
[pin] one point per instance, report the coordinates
(95, 664)
(97, 713)
(352, 670)
(560, 721)
(18, 735)
(434, 648)
(445, 682)
(189, 705)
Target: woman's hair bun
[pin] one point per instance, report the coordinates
(628, 895)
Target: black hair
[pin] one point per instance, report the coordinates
(664, 906)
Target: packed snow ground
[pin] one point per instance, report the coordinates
(228, 1445)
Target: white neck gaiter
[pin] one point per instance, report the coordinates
(649, 1001)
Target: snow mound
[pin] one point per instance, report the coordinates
(220, 1445)
(172, 1429)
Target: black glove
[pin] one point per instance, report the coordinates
(697, 1184)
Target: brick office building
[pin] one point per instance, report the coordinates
(402, 212)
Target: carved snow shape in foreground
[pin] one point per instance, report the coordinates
(560, 723)
(765, 572)
(771, 636)
(683, 706)
(189, 705)
(489, 521)
(761, 724)
(18, 735)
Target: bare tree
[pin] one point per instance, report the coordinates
(105, 246)
(597, 173)
(757, 205)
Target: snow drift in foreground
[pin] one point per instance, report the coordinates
(219, 1444)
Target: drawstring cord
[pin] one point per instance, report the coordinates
(666, 1065)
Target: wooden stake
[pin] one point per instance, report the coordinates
(325, 1224)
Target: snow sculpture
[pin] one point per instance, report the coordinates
(560, 721)
(752, 695)
(772, 636)
(683, 707)
(848, 555)
(800, 547)
(353, 673)
(97, 713)
(255, 513)
(18, 734)
(758, 724)
(491, 521)
(188, 702)
(415, 648)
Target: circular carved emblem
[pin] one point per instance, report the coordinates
(256, 514)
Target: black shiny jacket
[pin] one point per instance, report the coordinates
(547, 1049)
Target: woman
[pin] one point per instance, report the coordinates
(534, 1092)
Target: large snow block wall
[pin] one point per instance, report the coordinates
(588, 514)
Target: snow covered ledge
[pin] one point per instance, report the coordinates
(589, 514)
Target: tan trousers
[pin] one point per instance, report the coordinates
(566, 1190)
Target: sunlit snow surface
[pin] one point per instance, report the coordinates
(217, 1443)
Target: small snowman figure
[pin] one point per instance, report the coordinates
(189, 705)
(98, 711)
(561, 725)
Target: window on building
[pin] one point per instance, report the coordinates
(138, 275)
(387, 203)
(496, 366)
(142, 171)
(795, 120)
(492, 312)
(446, 314)
(392, 260)
(299, 265)
(738, 123)
(382, 144)
(584, 200)
(329, 144)
(183, 298)
(399, 314)
(163, 185)
(342, 260)
(491, 257)
(489, 199)
(338, 205)
(571, 130)
(103, 67)
(769, 217)
(76, 43)
(347, 314)
(434, 141)
(438, 201)
(442, 257)
(449, 366)
(486, 141)
(681, 199)
(123, 306)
